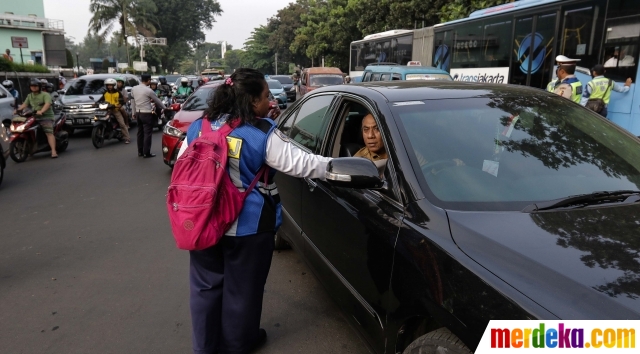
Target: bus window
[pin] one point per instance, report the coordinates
(467, 46)
(442, 50)
(578, 36)
(620, 54)
(496, 42)
(376, 77)
(367, 76)
(385, 77)
(402, 49)
(623, 8)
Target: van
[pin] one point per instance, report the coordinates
(413, 71)
(313, 78)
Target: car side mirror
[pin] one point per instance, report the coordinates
(128, 88)
(353, 172)
(175, 107)
(61, 92)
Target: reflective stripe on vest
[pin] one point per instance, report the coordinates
(600, 89)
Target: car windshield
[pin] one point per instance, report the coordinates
(445, 77)
(285, 80)
(325, 80)
(274, 85)
(86, 87)
(198, 101)
(172, 78)
(508, 151)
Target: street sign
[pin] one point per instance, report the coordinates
(19, 42)
(153, 69)
(140, 66)
(123, 65)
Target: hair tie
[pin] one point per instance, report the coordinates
(228, 81)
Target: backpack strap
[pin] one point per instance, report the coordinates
(263, 171)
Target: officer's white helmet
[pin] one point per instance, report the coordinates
(8, 84)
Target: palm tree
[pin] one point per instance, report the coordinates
(129, 17)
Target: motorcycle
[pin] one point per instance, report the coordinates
(162, 118)
(28, 137)
(105, 125)
(180, 99)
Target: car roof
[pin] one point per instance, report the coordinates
(323, 70)
(103, 76)
(400, 69)
(418, 90)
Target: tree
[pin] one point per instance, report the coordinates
(283, 27)
(258, 55)
(233, 59)
(105, 65)
(183, 24)
(130, 17)
(456, 9)
(70, 60)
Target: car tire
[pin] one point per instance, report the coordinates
(280, 243)
(439, 341)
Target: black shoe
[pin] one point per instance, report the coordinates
(149, 155)
(262, 338)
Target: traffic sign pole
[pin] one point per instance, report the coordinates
(21, 58)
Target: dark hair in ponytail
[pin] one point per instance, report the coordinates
(236, 96)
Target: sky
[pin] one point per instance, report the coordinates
(239, 18)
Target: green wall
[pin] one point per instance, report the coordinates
(35, 43)
(24, 7)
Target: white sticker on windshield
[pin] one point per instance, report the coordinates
(490, 167)
(408, 103)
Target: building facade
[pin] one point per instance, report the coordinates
(27, 19)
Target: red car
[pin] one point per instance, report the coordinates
(175, 130)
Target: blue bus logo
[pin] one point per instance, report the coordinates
(441, 57)
(538, 53)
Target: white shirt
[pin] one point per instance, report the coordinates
(287, 158)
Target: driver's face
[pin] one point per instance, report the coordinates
(371, 135)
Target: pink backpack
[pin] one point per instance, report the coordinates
(202, 201)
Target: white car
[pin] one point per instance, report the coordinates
(6, 113)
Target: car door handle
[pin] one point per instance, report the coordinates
(312, 184)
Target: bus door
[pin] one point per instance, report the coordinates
(532, 58)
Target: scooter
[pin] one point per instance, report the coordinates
(105, 125)
(28, 137)
(161, 118)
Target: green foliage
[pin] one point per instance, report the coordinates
(6, 65)
(457, 9)
(233, 59)
(70, 60)
(130, 17)
(258, 55)
(105, 65)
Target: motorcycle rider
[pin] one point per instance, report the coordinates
(153, 85)
(114, 97)
(8, 84)
(184, 88)
(166, 89)
(40, 102)
(125, 95)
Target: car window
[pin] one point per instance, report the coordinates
(198, 101)
(308, 127)
(367, 76)
(509, 151)
(284, 80)
(132, 82)
(396, 77)
(385, 77)
(375, 77)
(274, 85)
(285, 127)
(86, 87)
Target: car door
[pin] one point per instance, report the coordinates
(351, 235)
(299, 125)
(6, 100)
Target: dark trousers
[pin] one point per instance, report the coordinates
(145, 128)
(227, 285)
(604, 112)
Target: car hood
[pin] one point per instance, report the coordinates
(276, 91)
(78, 99)
(183, 119)
(578, 264)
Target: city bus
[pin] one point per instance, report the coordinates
(392, 47)
(516, 43)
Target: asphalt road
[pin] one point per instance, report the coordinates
(88, 264)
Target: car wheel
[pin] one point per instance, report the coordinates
(439, 341)
(19, 150)
(280, 243)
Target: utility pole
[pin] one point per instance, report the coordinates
(276, 63)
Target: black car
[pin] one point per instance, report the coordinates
(494, 202)
(287, 84)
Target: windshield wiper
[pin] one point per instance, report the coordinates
(583, 200)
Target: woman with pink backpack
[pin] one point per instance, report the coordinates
(227, 280)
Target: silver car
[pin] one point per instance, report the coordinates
(6, 113)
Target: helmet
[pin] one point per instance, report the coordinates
(110, 82)
(50, 87)
(44, 82)
(120, 78)
(8, 84)
(34, 82)
(163, 80)
(184, 80)
(153, 82)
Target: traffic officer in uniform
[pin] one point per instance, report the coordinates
(141, 108)
(567, 84)
(600, 88)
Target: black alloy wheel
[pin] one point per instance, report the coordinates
(97, 136)
(19, 150)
